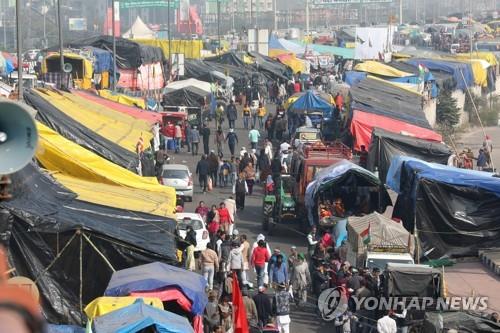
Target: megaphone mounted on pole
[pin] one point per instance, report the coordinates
(68, 68)
(18, 136)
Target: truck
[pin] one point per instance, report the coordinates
(308, 162)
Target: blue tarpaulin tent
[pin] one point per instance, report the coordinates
(311, 102)
(64, 329)
(353, 77)
(454, 68)
(340, 176)
(156, 276)
(455, 211)
(139, 316)
(103, 60)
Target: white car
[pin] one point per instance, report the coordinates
(179, 177)
(196, 221)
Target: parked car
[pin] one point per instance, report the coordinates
(179, 177)
(196, 221)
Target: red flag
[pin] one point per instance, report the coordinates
(240, 323)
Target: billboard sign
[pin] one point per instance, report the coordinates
(77, 24)
(372, 43)
(127, 4)
(344, 2)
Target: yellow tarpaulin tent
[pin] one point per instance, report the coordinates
(296, 64)
(488, 56)
(123, 99)
(479, 69)
(117, 196)
(82, 72)
(58, 154)
(190, 48)
(378, 68)
(115, 126)
(102, 305)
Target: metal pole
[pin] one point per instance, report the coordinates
(169, 40)
(19, 52)
(218, 24)
(307, 18)
(400, 12)
(60, 36)
(275, 15)
(4, 20)
(113, 31)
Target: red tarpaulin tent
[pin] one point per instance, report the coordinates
(362, 125)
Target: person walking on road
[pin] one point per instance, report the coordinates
(205, 133)
(250, 308)
(178, 137)
(219, 140)
(261, 113)
(187, 135)
(191, 241)
(209, 262)
(264, 307)
(246, 116)
(224, 218)
(195, 140)
(213, 163)
(249, 172)
(245, 252)
(240, 189)
(232, 140)
(231, 208)
(281, 308)
(301, 280)
(203, 211)
(232, 114)
(254, 137)
(260, 256)
(202, 170)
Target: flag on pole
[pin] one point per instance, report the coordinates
(421, 71)
(240, 323)
(365, 235)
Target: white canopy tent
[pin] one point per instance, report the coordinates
(139, 30)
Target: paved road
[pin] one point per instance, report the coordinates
(474, 140)
(249, 222)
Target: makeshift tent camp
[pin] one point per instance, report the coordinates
(355, 185)
(58, 154)
(139, 29)
(461, 72)
(76, 132)
(82, 70)
(156, 276)
(117, 127)
(187, 96)
(455, 211)
(385, 145)
(412, 280)
(310, 102)
(202, 85)
(130, 55)
(271, 67)
(460, 321)
(384, 233)
(70, 247)
(378, 68)
(103, 305)
(138, 317)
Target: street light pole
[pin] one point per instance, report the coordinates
(218, 23)
(60, 36)
(169, 41)
(19, 52)
(400, 12)
(113, 31)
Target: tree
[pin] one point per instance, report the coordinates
(447, 112)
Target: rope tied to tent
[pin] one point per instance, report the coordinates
(57, 257)
(98, 252)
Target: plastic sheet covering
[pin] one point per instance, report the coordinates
(103, 305)
(150, 77)
(454, 210)
(456, 69)
(460, 321)
(378, 68)
(39, 229)
(289, 59)
(171, 294)
(202, 85)
(385, 99)
(156, 276)
(137, 317)
(74, 131)
(342, 174)
(363, 123)
(385, 145)
(310, 102)
(188, 96)
(118, 196)
(488, 56)
(103, 60)
(119, 98)
(417, 281)
(353, 77)
(190, 48)
(117, 127)
(325, 96)
(64, 329)
(129, 54)
(56, 153)
(270, 66)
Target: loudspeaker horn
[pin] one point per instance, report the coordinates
(18, 136)
(68, 68)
